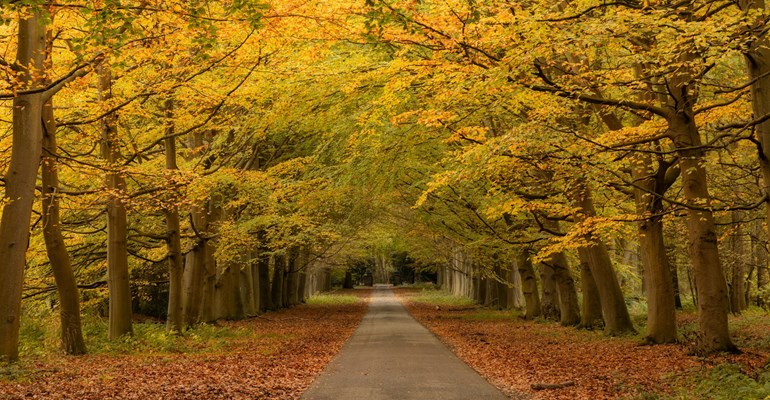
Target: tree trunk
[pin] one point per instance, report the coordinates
(117, 242)
(195, 264)
(569, 309)
(661, 307)
(713, 301)
(528, 285)
(348, 283)
(302, 277)
(210, 268)
(278, 281)
(20, 180)
(175, 319)
(648, 194)
(738, 264)
(758, 65)
(475, 282)
(493, 296)
(292, 278)
(249, 282)
(195, 259)
(549, 302)
(265, 300)
(66, 285)
(760, 254)
(69, 295)
(518, 302)
(616, 318)
(502, 287)
(671, 256)
(591, 310)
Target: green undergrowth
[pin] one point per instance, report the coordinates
(420, 285)
(40, 330)
(440, 298)
(39, 337)
(332, 299)
(722, 382)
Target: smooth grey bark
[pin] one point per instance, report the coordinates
(117, 241)
(175, 318)
(528, 285)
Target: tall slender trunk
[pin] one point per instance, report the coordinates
(210, 267)
(648, 194)
(69, 295)
(195, 259)
(528, 284)
(195, 262)
(175, 319)
(616, 318)
(671, 255)
(738, 264)
(117, 242)
(517, 301)
(292, 279)
(302, 277)
(20, 180)
(758, 246)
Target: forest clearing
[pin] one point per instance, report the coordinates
(578, 183)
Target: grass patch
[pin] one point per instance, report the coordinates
(14, 372)
(440, 298)
(420, 285)
(724, 381)
(332, 299)
(152, 338)
(39, 337)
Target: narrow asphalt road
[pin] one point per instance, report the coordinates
(392, 356)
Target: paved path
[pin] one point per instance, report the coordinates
(392, 356)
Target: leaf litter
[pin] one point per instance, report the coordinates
(277, 359)
(522, 357)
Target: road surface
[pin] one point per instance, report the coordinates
(392, 356)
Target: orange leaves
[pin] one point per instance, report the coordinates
(515, 354)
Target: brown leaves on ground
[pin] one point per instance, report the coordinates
(514, 354)
(278, 360)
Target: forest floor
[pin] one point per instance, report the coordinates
(273, 356)
(514, 355)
